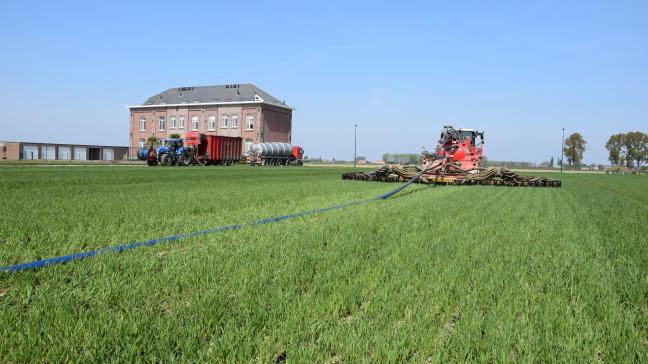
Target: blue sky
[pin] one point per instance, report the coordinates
(518, 70)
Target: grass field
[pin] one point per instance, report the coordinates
(485, 274)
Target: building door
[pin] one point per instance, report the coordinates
(30, 152)
(49, 153)
(108, 154)
(94, 154)
(64, 153)
(80, 154)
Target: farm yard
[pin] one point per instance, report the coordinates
(441, 274)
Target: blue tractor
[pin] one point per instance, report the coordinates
(169, 152)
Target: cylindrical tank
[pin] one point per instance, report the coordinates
(142, 153)
(273, 149)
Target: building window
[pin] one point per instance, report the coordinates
(181, 122)
(211, 123)
(141, 142)
(142, 124)
(194, 123)
(224, 121)
(173, 122)
(234, 121)
(248, 146)
(249, 122)
(162, 123)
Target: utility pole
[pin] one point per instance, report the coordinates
(355, 145)
(562, 151)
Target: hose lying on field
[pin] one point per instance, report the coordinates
(120, 248)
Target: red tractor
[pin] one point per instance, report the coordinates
(458, 152)
(456, 160)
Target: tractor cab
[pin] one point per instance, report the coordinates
(171, 142)
(169, 145)
(470, 134)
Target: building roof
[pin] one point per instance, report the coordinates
(218, 94)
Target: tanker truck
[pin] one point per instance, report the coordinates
(275, 154)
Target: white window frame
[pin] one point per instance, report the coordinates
(142, 122)
(248, 146)
(224, 121)
(249, 122)
(211, 123)
(141, 143)
(172, 124)
(161, 123)
(195, 123)
(181, 122)
(234, 123)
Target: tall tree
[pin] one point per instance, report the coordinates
(574, 149)
(616, 148)
(636, 144)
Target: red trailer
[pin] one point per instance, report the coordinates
(214, 149)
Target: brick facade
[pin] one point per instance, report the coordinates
(9, 150)
(270, 124)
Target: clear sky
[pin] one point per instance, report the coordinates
(519, 70)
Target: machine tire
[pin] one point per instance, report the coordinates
(166, 160)
(184, 160)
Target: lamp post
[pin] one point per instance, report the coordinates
(355, 145)
(562, 151)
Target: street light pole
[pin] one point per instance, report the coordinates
(355, 145)
(562, 151)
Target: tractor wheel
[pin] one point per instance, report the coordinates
(184, 160)
(166, 160)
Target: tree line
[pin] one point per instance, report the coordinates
(401, 158)
(625, 149)
(628, 148)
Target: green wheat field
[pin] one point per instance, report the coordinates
(433, 274)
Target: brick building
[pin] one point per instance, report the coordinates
(241, 110)
(61, 152)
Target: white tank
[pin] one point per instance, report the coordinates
(272, 149)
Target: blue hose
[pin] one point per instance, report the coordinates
(122, 247)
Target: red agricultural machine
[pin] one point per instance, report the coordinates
(213, 149)
(456, 160)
